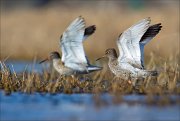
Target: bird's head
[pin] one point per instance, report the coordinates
(53, 55)
(109, 53)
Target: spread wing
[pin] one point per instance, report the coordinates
(152, 31)
(128, 43)
(71, 44)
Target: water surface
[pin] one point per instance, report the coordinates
(19, 106)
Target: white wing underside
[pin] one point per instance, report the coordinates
(73, 54)
(128, 43)
(142, 44)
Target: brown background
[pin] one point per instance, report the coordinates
(32, 29)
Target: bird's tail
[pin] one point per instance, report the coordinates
(93, 68)
(146, 73)
(152, 73)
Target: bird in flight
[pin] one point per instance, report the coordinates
(130, 63)
(73, 60)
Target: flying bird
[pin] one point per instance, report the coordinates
(73, 60)
(130, 63)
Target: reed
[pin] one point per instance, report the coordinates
(99, 82)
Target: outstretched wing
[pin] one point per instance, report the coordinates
(152, 31)
(128, 43)
(71, 44)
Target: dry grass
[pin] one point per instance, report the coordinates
(49, 81)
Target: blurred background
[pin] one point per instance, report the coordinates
(32, 28)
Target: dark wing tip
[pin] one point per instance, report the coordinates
(152, 31)
(89, 30)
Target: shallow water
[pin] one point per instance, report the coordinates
(20, 106)
(20, 66)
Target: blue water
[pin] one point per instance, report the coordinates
(20, 106)
(20, 66)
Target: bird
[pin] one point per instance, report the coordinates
(130, 63)
(73, 60)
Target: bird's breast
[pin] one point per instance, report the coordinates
(63, 70)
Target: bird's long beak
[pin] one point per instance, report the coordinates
(101, 58)
(44, 60)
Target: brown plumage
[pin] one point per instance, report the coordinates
(111, 52)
